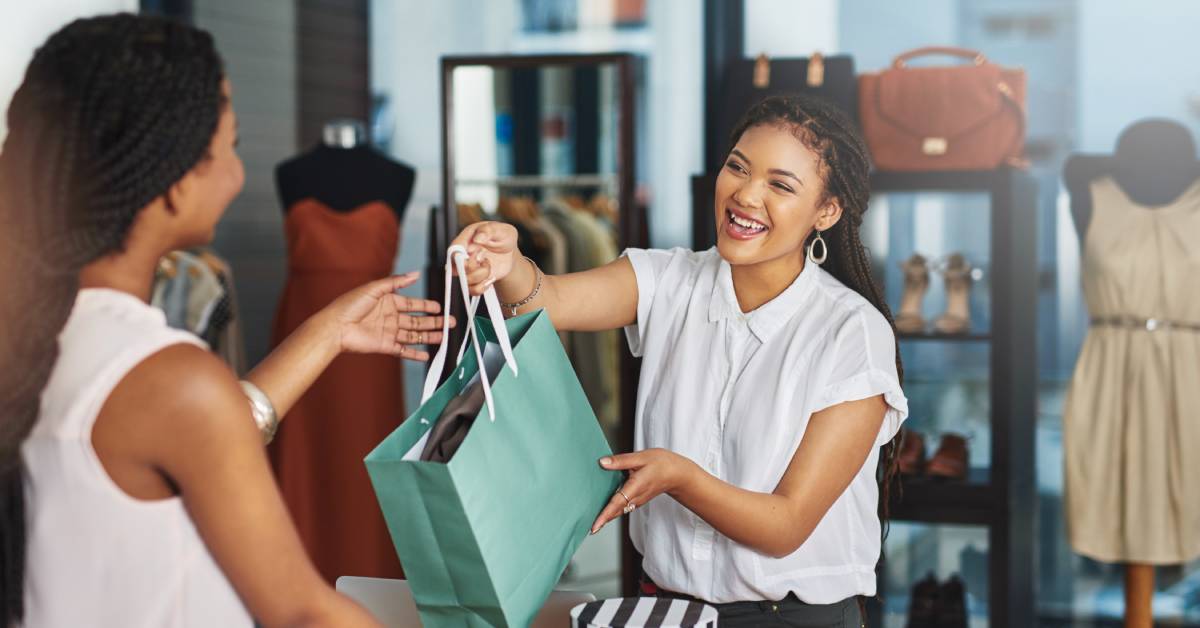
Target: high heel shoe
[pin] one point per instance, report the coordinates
(909, 319)
(957, 318)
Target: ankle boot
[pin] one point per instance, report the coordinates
(952, 608)
(911, 459)
(951, 460)
(923, 608)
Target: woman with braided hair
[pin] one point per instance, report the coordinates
(770, 378)
(135, 489)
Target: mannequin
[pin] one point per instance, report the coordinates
(1154, 165)
(344, 173)
(344, 205)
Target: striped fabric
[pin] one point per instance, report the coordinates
(643, 612)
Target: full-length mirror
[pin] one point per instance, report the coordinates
(544, 143)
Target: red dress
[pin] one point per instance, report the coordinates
(318, 451)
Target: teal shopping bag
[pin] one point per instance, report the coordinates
(485, 537)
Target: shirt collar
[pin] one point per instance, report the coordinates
(771, 315)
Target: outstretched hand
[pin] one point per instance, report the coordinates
(373, 319)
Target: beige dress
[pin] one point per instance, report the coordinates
(1132, 419)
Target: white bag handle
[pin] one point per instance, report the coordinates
(456, 258)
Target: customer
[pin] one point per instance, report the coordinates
(768, 381)
(135, 488)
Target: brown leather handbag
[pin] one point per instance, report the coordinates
(966, 117)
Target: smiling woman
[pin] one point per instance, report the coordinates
(769, 381)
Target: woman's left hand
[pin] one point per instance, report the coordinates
(651, 473)
(373, 319)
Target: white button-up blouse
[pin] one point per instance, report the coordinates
(733, 392)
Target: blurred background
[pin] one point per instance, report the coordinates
(439, 87)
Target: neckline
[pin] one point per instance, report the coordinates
(769, 316)
(353, 211)
(100, 296)
(1179, 201)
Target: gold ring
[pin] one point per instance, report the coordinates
(627, 500)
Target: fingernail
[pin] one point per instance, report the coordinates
(605, 462)
(412, 273)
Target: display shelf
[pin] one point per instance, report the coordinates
(971, 501)
(1000, 498)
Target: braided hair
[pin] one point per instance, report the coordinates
(844, 166)
(112, 112)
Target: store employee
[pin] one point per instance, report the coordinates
(770, 377)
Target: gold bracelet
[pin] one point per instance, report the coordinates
(537, 287)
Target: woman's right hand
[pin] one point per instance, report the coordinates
(492, 251)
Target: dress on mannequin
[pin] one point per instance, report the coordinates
(1132, 485)
(344, 203)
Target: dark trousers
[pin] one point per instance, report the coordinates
(789, 612)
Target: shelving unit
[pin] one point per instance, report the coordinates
(1001, 498)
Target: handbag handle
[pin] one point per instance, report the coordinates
(456, 259)
(814, 78)
(974, 56)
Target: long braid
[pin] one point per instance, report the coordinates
(112, 111)
(845, 167)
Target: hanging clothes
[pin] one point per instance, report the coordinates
(186, 290)
(358, 400)
(195, 290)
(556, 256)
(595, 355)
(549, 250)
(224, 333)
(1130, 421)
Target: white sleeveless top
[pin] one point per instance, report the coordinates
(96, 556)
